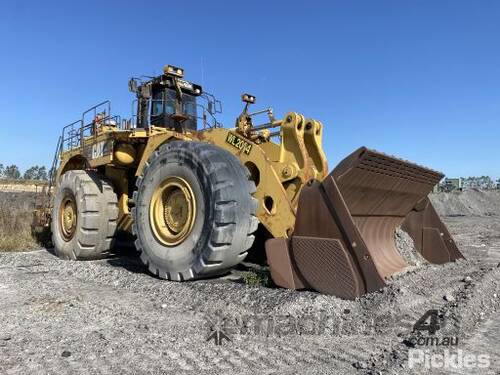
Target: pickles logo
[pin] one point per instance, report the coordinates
(447, 359)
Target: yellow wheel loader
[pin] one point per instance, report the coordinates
(193, 193)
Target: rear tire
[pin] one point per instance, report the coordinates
(84, 217)
(217, 215)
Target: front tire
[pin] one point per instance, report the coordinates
(194, 213)
(84, 216)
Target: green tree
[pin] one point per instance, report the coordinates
(1, 170)
(12, 171)
(31, 173)
(42, 174)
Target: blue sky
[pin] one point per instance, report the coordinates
(416, 79)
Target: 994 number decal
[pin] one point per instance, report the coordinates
(238, 143)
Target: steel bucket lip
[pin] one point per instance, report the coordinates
(356, 157)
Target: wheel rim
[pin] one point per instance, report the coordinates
(68, 217)
(172, 211)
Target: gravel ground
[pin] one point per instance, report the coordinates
(110, 317)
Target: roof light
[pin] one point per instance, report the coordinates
(174, 71)
(247, 98)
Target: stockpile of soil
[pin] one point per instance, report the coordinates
(467, 203)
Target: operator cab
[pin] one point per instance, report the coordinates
(163, 109)
(167, 101)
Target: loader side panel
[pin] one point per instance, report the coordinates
(327, 251)
(430, 235)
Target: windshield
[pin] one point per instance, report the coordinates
(163, 106)
(189, 103)
(157, 104)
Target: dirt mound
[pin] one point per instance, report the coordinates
(406, 248)
(467, 203)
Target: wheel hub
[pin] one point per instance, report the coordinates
(68, 217)
(172, 211)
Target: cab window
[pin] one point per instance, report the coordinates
(157, 104)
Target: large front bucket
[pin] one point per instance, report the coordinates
(343, 241)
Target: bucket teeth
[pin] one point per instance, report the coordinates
(343, 241)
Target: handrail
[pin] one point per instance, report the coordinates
(52, 171)
(69, 135)
(214, 123)
(94, 108)
(74, 133)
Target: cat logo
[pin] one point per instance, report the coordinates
(99, 149)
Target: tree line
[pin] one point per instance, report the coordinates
(35, 172)
(481, 182)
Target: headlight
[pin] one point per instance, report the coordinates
(247, 98)
(173, 70)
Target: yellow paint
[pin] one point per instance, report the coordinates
(282, 168)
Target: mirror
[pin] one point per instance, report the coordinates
(146, 91)
(132, 85)
(210, 107)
